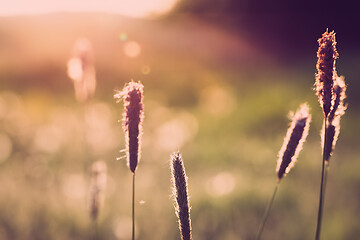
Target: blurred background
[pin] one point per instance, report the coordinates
(220, 78)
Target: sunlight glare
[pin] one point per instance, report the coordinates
(136, 8)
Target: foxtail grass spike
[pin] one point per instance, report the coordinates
(338, 108)
(132, 95)
(333, 122)
(325, 77)
(331, 125)
(98, 185)
(294, 139)
(180, 193)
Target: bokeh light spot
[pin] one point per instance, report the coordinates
(221, 184)
(145, 70)
(75, 69)
(217, 101)
(176, 132)
(132, 49)
(123, 37)
(48, 139)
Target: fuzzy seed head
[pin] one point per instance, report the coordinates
(333, 121)
(294, 139)
(133, 116)
(180, 194)
(326, 74)
(338, 108)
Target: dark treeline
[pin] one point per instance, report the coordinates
(281, 23)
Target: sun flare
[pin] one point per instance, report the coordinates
(135, 8)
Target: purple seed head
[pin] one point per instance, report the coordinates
(132, 95)
(333, 121)
(326, 74)
(294, 139)
(180, 193)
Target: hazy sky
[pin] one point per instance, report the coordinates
(134, 8)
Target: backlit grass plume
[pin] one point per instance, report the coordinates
(181, 197)
(331, 128)
(325, 77)
(132, 95)
(333, 121)
(294, 139)
(331, 92)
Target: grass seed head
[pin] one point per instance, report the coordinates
(133, 116)
(294, 139)
(338, 107)
(333, 121)
(180, 193)
(326, 74)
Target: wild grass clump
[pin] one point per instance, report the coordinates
(330, 88)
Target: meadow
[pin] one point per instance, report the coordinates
(213, 94)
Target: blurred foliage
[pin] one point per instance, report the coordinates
(212, 94)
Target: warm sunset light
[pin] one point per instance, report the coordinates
(167, 119)
(135, 8)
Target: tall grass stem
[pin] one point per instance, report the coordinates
(324, 171)
(267, 212)
(133, 207)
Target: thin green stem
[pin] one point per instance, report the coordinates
(267, 211)
(133, 207)
(324, 171)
